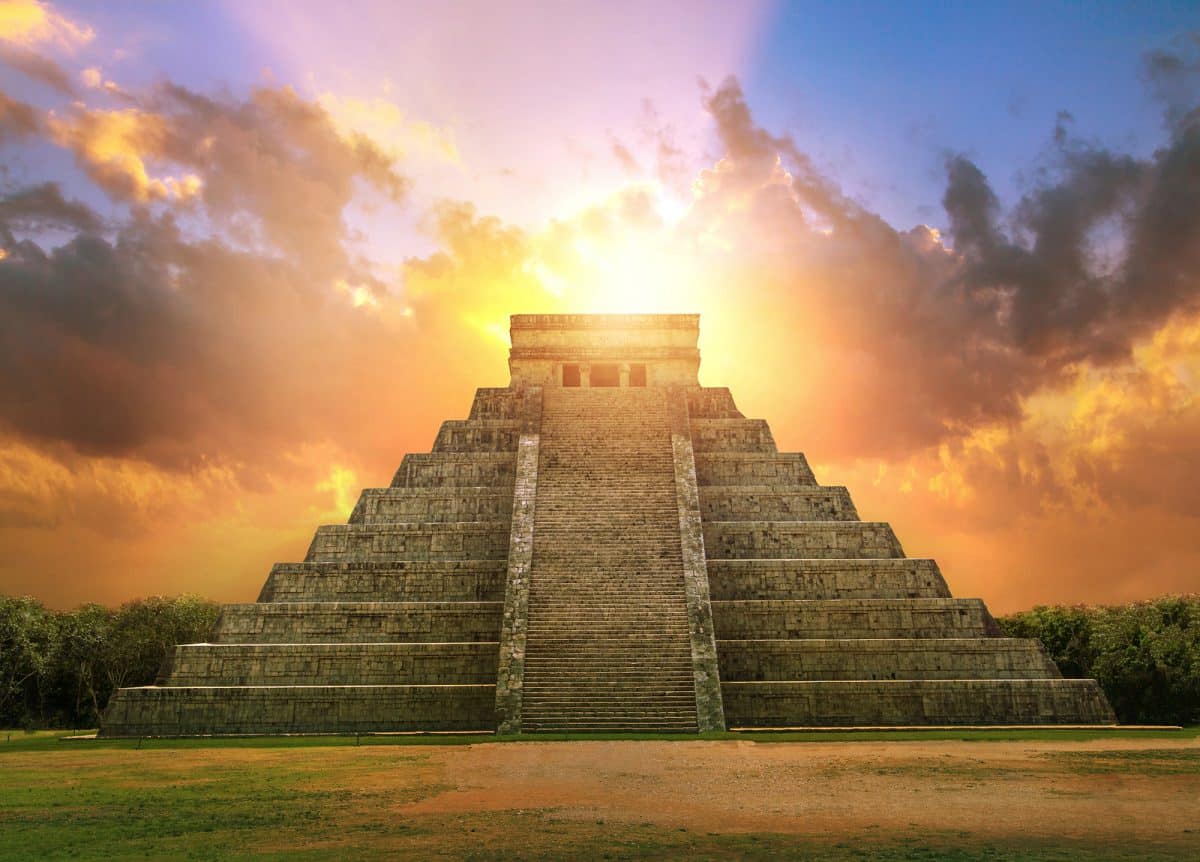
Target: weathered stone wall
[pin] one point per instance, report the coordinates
(731, 435)
(477, 435)
(431, 505)
(267, 710)
(768, 503)
(878, 658)
(494, 403)
(712, 402)
(334, 664)
(354, 622)
(853, 618)
(826, 579)
(915, 702)
(753, 468)
(725, 540)
(441, 469)
(392, 581)
(467, 540)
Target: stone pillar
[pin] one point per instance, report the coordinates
(624, 372)
(510, 673)
(585, 375)
(710, 710)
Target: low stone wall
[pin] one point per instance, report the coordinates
(853, 618)
(354, 622)
(431, 505)
(902, 658)
(901, 578)
(731, 435)
(457, 469)
(477, 435)
(765, 503)
(423, 581)
(712, 402)
(268, 710)
(333, 664)
(465, 540)
(753, 468)
(726, 540)
(915, 702)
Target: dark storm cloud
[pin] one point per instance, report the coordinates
(138, 339)
(1102, 250)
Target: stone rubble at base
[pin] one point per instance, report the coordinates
(625, 552)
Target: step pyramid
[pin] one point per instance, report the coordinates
(603, 545)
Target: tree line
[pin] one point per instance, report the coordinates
(59, 668)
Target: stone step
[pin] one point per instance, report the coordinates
(825, 579)
(766, 503)
(424, 581)
(467, 540)
(478, 435)
(852, 618)
(915, 702)
(780, 469)
(358, 622)
(457, 469)
(725, 540)
(273, 710)
(332, 664)
(731, 435)
(882, 658)
(428, 505)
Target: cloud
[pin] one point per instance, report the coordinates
(31, 23)
(38, 67)
(17, 119)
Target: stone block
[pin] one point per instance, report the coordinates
(770, 503)
(852, 618)
(477, 435)
(901, 578)
(431, 505)
(457, 469)
(915, 702)
(269, 710)
(781, 469)
(465, 540)
(393, 581)
(333, 664)
(731, 435)
(358, 622)
(712, 402)
(732, 540)
(880, 658)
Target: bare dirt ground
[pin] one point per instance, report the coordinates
(1120, 789)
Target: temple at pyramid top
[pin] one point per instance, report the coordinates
(604, 350)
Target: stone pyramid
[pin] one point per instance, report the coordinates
(604, 545)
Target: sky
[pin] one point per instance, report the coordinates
(253, 253)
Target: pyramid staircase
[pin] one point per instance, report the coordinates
(609, 645)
